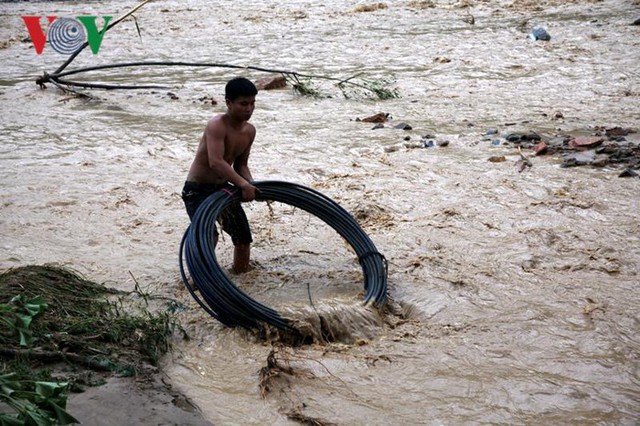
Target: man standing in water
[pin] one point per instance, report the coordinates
(222, 161)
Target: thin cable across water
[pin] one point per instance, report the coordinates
(217, 294)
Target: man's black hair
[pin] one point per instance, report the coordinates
(239, 86)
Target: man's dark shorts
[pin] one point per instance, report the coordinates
(233, 219)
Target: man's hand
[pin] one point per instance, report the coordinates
(249, 192)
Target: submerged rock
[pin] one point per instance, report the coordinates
(600, 161)
(578, 158)
(558, 141)
(523, 137)
(628, 173)
(628, 153)
(403, 126)
(270, 83)
(615, 132)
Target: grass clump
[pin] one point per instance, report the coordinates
(374, 88)
(80, 317)
(56, 328)
(370, 7)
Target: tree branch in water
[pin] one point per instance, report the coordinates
(301, 83)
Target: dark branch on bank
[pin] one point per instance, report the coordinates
(59, 356)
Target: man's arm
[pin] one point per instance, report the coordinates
(215, 134)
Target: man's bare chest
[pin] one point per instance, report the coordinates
(235, 144)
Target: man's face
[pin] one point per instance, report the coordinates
(242, 108)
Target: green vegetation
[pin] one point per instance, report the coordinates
(306, 88)
(35, 402)
(382, 89)
(352, 87)
(57, 328)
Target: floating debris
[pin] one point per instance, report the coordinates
(523, 162)
(381, 117)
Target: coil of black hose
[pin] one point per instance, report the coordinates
(222, 299)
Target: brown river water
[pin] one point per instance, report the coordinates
(515, 294)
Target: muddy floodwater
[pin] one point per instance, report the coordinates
(515, 292)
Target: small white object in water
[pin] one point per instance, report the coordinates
(539, 34)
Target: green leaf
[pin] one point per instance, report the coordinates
(15, 300)
(37, 417)
(9, 322)
(36, 306)
(25, 338)
(6, 389)
(62, 416)
(24, 320)
(50, 389)
(10, 420)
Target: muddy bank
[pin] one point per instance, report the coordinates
(127, 401)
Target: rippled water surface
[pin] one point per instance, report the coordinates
(515, 295)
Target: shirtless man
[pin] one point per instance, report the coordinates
(221, 161)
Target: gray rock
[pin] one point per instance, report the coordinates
(539, 34)
(579, 158)
(558, 141)
(403, 126)
(628, 173)
(523, 137)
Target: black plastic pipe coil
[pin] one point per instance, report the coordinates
(219, 297)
